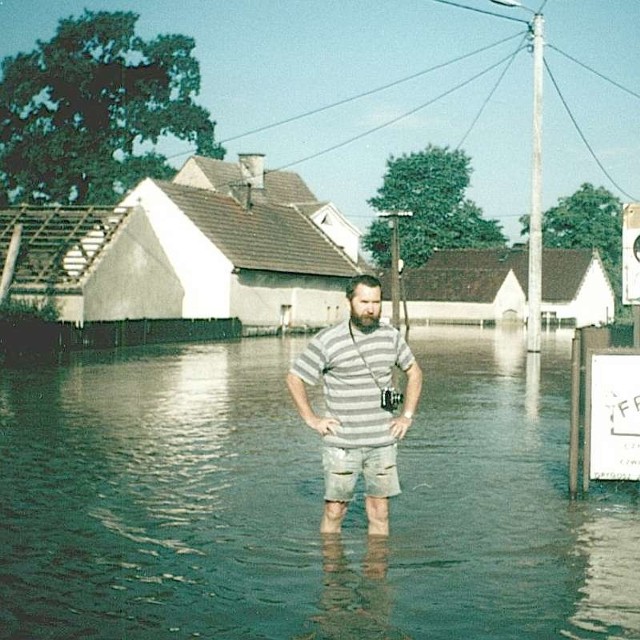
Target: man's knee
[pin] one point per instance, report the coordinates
(335, 511)
(378, 509)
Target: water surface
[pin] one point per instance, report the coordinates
(172, 492)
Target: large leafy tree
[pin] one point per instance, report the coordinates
(431, 185)
(81, 114)
(591, 218)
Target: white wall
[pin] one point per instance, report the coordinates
(258, 299)
(340, 230)
(204, 272)
(133, 278)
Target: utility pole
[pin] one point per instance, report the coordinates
(534, 293)
(395, 263)
(535, 220)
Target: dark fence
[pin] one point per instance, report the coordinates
(32, 336)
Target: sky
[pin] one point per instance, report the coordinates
(265, 61)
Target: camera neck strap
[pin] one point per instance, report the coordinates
(366, 364)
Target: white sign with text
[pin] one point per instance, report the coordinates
(615, 417)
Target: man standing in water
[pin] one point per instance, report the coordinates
(355, 360)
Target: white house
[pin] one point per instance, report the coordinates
(490, 285)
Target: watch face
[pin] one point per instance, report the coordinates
(636, 248)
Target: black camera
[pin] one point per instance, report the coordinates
(390, 399)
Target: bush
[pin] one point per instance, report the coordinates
(17, 310)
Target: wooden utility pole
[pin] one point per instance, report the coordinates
(395, 264)
(10, 262)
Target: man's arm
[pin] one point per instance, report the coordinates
(400, 425)
(298, 392)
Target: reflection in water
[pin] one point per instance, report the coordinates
(354, 604)
(533, 386)
(610, 603)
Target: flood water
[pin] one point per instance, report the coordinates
(172, 492)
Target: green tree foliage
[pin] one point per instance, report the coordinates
(77, 112)
(431, 185)
(591, 218)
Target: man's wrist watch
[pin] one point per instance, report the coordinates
(408, 415)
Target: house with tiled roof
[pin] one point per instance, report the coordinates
(187, 249)
(267, 264)
(490, 286)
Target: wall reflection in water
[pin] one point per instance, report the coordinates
(610, 604)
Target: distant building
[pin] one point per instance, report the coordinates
(490, 286)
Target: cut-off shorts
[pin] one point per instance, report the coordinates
(342, 468)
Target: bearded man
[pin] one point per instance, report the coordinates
(361, 428)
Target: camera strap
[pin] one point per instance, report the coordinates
(366, 364)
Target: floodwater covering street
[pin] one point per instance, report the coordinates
(171, 491)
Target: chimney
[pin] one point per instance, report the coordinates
(252, 169)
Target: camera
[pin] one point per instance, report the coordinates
(390, 399)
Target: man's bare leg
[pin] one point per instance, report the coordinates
(333, 516)
(378, 514)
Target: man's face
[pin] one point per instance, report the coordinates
(366, 305)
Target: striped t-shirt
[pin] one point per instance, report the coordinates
(351, 394)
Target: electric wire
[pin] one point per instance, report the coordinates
(583, 137)
(388, 123)
(490, 95)
(358, 96)
(592, 70)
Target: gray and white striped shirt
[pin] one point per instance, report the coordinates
(351, 393)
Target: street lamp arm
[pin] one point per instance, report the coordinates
(488, 13)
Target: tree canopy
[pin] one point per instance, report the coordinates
(81, 114)
(591, 218)
(431, 185)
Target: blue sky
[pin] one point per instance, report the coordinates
(263, 61)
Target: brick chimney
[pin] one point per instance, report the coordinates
(252, 169)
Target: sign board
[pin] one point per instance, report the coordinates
(615, 416)
(631, 254)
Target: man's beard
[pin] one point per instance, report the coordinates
(366, 324)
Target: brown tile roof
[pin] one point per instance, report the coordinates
(268, 237)
(563, 270)
(58, 245)
(475, 275)
(280, 187)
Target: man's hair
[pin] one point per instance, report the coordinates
(365, 279)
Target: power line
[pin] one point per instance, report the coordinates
(583, 137)
(365, 94)
(396, 119)
(600, 75)
(490, 95)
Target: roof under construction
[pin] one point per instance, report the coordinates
(57, 244)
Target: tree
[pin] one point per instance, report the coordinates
(431, 185)
(77, 112)
(591, 218)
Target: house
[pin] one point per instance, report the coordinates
(193, 248)
(490, 286)
(267, 264)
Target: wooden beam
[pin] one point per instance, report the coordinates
(10, 262)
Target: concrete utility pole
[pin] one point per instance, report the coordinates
(534, 321)
(535, 220)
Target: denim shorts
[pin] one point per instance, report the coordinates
(342, 467)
